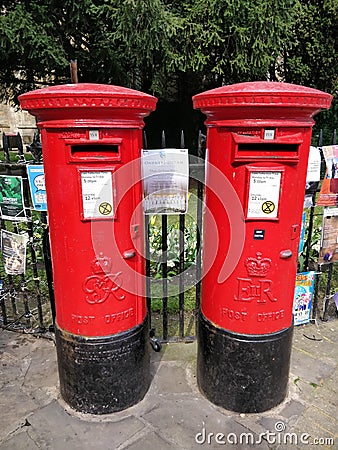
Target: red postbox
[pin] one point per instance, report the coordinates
(258, 139)
(91, 138)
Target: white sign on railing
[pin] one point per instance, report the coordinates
(165, 175)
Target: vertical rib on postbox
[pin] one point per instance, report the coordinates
(91, 139)
(258, 139)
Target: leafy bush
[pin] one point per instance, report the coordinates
(173, 247)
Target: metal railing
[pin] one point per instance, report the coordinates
(326, 274)
(27, 300)
(181, 313)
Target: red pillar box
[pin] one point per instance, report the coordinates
(258, 139)
(91, 138)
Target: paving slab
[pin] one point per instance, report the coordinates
(21, 440)
(292, 408)
(15, 405)
(52, 427)
(304, 365)
(151, 441)
(171, 379)
(193, 422)
(173, 413)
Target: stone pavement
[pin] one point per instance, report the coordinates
(173, 415)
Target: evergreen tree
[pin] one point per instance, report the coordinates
(169, 48)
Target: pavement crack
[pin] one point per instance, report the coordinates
(27, 423)
(26, 372)
(37, 444)
(24, 423)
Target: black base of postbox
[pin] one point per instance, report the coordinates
(101, 375)
(243, 373)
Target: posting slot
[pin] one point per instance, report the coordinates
(266, 151)
(95, 152)
(253, 148)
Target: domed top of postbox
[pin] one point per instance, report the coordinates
(88, 101)
(261, 100)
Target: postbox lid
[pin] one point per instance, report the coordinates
(266, 98)
(87, 100)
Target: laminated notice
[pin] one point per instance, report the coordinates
(165, 174)
(97, 194)
(264, 191)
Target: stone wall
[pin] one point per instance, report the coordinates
(14, 120)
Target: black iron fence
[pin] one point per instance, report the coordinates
(173, 262)
(26, 299)
(173, 257)
(326, 281)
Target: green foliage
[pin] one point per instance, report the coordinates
(169, 48)
(118, 42)
(173, 237)
(311, 60)
(173, 302)
(31, 48)
(239, 41)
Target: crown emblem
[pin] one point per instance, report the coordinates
(258, 267)
(101, 264)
